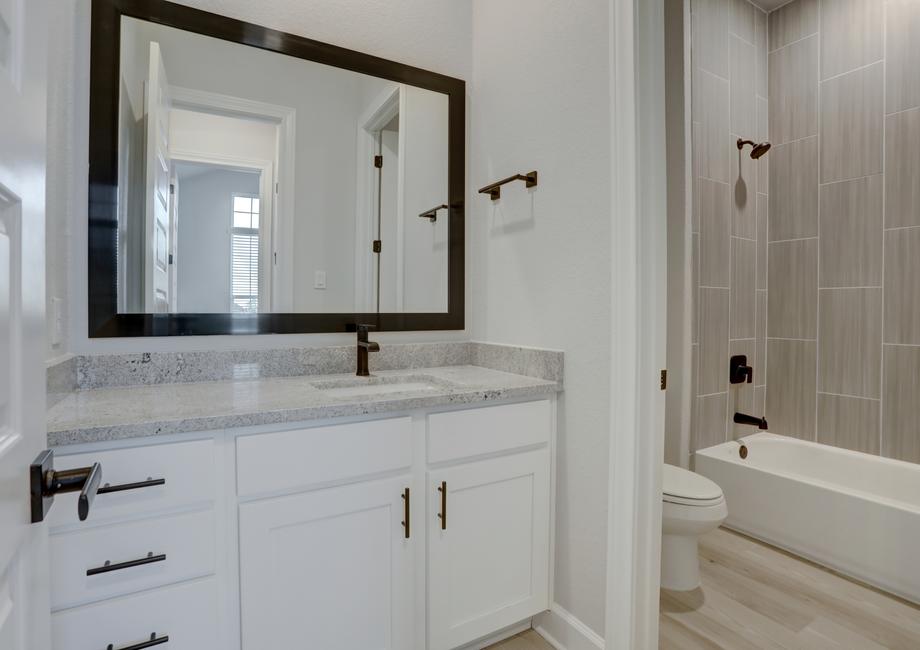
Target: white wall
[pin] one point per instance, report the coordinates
(540, 259)
(432, 34)
(203, 250)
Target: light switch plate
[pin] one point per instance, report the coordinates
(319, 279)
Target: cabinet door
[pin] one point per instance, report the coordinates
(489, 561)
(330, 569)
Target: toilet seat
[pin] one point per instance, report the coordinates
(686, 488)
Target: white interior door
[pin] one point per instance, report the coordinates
(157, 247)
(24, 602)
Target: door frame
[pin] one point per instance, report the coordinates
(281, 277)
(381, 110)
(267, 269)
(638, 335)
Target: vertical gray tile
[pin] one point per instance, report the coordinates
(791, 394)
(902, 56)
(741, 396)
(715, 234)
(792, 22)
(851, 233)
(714, 305)
(763, 215)
(743, 79)
(711, 109)
(793, 290)
(760, 342)
(695, 288)
(850, 342)
(694, 391)
(744, 194)
(763, 135)
(710, 20)
(852, 114)
(760, 51)
(760, 400)
(794, 190)
(849, 422)
(793, 72)
(711, 429)
(697, 172)
(902, 168)
(744, 264)
(902, 288)
(901, 426)
(851, 35)
(742, 22)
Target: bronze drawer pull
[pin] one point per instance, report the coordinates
(443, 514)
(150, 482)
(108, 566)
(146, 644)
(406, 515)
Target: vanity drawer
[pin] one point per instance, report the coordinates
(188, 469)
(479, 431)
(183, 547)
(186, 613)
(306, 458)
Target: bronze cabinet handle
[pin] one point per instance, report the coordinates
(154, 640)
(108, 567)
(406, 512)
(443, 514)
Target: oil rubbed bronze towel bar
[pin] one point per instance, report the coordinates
(495, 189)
(432, 214)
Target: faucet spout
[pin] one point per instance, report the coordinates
(364, 346)
(759, 422)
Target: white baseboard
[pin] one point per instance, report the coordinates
(565, 632)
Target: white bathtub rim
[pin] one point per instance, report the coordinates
(903, 506)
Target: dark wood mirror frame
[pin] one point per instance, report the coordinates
(104, 319)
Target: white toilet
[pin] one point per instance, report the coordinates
(692, 506)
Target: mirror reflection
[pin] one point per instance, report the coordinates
(250, 181)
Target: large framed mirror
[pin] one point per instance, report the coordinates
(247, 181)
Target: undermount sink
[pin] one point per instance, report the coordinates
(374, 386)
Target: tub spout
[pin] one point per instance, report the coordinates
(744, 418)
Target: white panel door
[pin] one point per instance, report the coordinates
(24, 604)
(330, 569)
(157, 246)
(488, 554)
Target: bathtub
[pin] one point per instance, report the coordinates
(855, 513)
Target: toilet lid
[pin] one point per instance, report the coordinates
(685, 487)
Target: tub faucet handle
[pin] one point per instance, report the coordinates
(739, 371)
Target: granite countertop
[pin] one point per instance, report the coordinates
(107, 414)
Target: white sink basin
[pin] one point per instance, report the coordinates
(378, 386)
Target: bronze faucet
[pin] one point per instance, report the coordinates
(365, 346)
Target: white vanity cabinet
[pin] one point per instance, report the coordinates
(424, 530)
(328, 569)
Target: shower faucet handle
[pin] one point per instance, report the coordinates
(739, 371)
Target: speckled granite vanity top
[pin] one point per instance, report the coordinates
(156, 408)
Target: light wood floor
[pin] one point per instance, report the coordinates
(756, 597)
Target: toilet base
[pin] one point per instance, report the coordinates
(680, 563)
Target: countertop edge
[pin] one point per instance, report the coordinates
(168, 427)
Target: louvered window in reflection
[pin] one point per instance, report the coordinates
(245, 254)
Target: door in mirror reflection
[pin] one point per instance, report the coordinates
(254, 182)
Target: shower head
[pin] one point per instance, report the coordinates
(757, 150)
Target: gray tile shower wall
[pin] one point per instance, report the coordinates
(730, 79)
(111, 371)
(844, 342)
